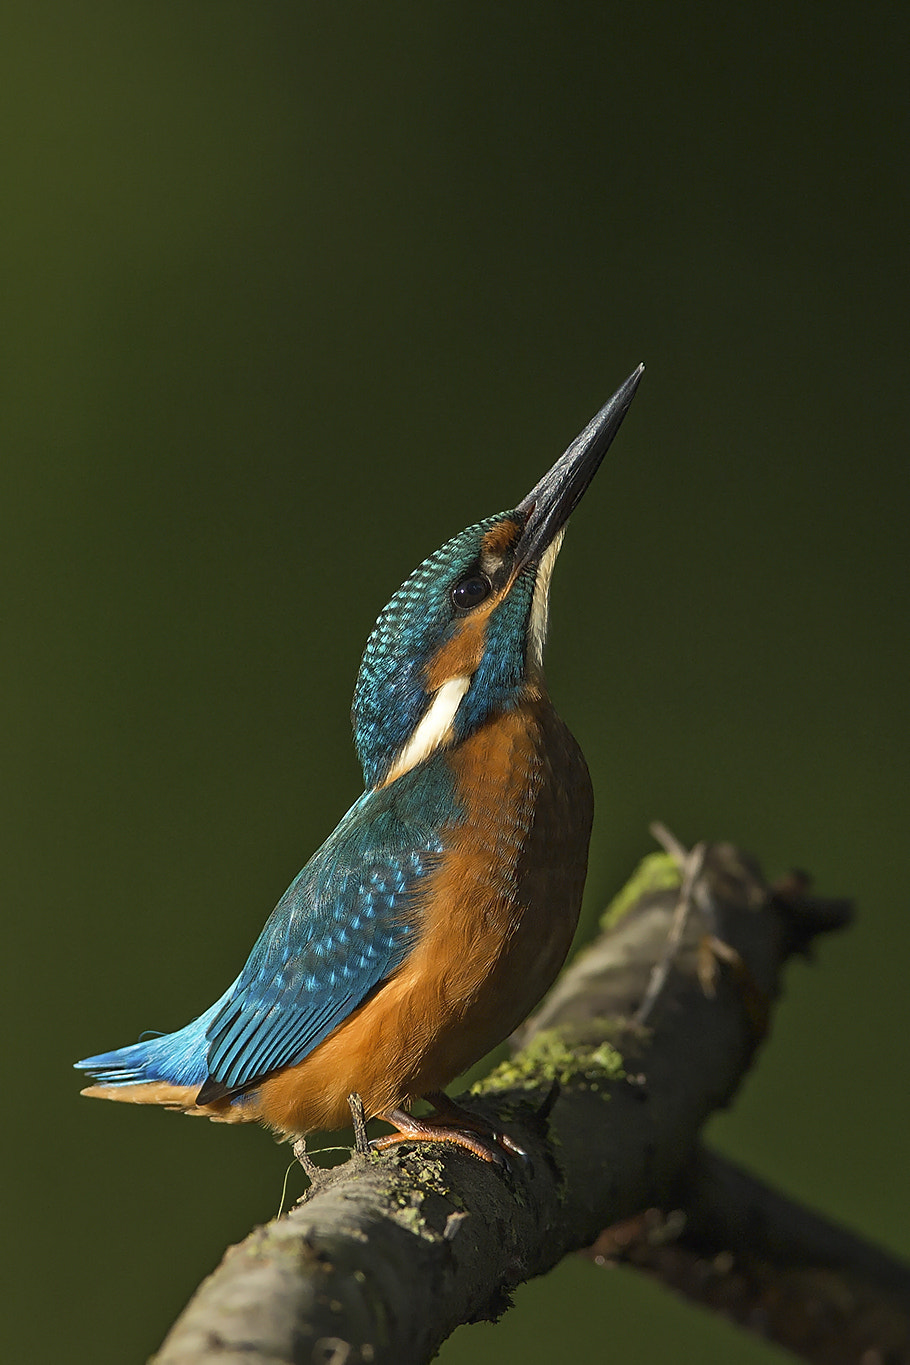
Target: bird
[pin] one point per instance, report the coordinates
(441, 908)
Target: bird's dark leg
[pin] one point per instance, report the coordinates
(359, 1124)
(450, 1124)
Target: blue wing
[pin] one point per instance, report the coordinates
(342, 927)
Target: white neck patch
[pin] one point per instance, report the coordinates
(434, 730)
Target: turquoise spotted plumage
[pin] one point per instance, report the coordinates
(343, 926)
(440, 908)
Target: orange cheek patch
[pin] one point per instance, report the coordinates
(461, 655)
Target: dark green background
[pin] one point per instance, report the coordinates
(292, 294)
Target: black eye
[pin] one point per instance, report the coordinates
(471, 591)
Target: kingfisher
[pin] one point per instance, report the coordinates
(439, 911)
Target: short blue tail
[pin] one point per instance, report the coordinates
(180, 1058)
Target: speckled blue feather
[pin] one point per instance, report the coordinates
(342, 927)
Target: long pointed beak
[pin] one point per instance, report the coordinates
(551, 502)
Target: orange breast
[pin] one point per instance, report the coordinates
(497, 921)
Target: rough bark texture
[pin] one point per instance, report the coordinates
(737, 1247)
(607, 1092)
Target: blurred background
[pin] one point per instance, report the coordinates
(292, 294)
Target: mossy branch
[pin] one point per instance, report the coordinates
(610, 1085)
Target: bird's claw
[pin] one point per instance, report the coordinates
(479, 1140)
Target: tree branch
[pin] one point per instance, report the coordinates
(387, 1254)
(732, 1244)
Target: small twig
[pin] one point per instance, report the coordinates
(691, 865)
(309, 1165)
(668, 841)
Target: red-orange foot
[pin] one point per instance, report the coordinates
(463, 1130)
(450, 1112)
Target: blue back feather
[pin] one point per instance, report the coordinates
(342, 927)
(179, 1058)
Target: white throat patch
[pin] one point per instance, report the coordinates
(434, 730)
(540, 603)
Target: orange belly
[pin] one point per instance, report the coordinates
(497, 922)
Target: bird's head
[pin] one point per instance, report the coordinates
(462, 639)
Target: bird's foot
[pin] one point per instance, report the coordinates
(473, 1136)
(451, 1112)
